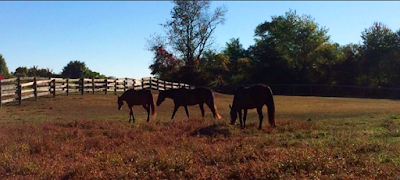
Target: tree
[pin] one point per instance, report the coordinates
(296, 39)
(216, 68)
(190, 30)
(74, 69)
(3, 66)
(378, 54)
(349, 69)
(165, 64)
(93, 74)
(235, 51)
(21, 72)
(189, 35)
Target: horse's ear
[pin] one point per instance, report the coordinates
(230, 106)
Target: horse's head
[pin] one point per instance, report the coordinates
(233, 115)
(120, 103)
(161, 98)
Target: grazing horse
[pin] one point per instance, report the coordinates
(255, 96)
(138, 97)
(188, 97)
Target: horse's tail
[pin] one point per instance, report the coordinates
(271, 107)
(216, 112)
(152, 106)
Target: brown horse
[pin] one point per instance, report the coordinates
(185, 97)
(255, 96)
(138, 97)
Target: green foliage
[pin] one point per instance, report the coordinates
(93, 74)
(21, 72)
(296, 39)
(239, 63)
(74, 69)
(3, 66)
(78, 69)
(189, 35)
(288, 49)
(380, 55)
(191, 27)
(216, 68)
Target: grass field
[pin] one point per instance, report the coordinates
(86, 137)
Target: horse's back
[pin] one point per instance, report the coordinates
(194, 96)
(253, 96)
(139, 97)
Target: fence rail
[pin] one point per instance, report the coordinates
(18, 89)
(325, 90)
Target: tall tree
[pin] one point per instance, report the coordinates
(296, 39)
(378, 48)
(234, 49)
(21, 72)
(74, 69)
(191, 28)
(3, 66)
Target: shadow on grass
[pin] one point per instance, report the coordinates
(211, 131)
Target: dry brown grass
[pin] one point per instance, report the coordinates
(86, 137)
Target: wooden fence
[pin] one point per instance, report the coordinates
(18, 89)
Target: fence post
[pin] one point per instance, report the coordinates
(93, 87)
(134, 83)
(142, 83)
(158, 84)
(106, 86)
(124, 84)
(1, 104)
(115, 86)
(54, 88)
(179, 84)
(35, 88)
(150, 83)
(165, 86)
(67, 87)
(19, 89)
(82, 85)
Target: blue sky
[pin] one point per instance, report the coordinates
(110, 37)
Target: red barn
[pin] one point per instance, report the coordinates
(1, 76)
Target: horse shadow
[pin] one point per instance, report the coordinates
(211, 131)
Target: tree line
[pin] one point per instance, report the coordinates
(74, 69)
(288, 49)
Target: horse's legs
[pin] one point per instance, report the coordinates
(260, 115)
(175, 109)
(187, 112)
(240, 118)
(145, 106)
(244, 118)
(202, 109)
(131, 115)
(211, 106)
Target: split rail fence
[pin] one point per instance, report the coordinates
(18, 89)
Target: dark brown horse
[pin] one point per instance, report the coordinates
(138, 97)
(188, 97)
(255, 96)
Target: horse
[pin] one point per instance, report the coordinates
(188, 97)
(138, 97)
(255, 96)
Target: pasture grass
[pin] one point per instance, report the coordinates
(86, 137)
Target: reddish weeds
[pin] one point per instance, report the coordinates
(193, 148)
